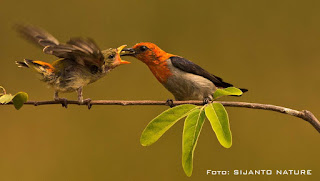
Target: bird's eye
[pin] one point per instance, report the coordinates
(143, 48)
(111, 56)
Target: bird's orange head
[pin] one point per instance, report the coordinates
(149, 53)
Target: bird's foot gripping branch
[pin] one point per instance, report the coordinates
(195, 117)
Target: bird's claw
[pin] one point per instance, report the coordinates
(169, 103)
(85, 102)
(206, 101)
(88, 103)
(63, 101)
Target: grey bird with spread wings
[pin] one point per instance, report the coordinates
(80, 62)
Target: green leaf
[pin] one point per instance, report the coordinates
(19, 99)
(159, 125)
(219, 120)
(6, 98)
(229, 91)
(191, 131)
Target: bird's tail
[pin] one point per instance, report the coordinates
(243, 90)
(43, 68)
(225, 85)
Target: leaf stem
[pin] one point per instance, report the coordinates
(3, 90)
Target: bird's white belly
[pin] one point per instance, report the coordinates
(187, 86)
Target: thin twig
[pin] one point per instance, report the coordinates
(305, 115)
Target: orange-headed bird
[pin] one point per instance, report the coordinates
(183, 78)
(81, 61)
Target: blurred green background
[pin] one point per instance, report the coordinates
(270, 47)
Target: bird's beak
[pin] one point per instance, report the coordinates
(119, 50)
(128, 52)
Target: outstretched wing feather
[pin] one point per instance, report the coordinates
(36, 35)
(81, 50)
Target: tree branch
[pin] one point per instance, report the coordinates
(305, 115)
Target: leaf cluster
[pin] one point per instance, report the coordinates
(195, 118)
(17, 99)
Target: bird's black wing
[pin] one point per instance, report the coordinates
(190, 67)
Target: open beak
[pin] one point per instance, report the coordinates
(119, 50)
(128, 52)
